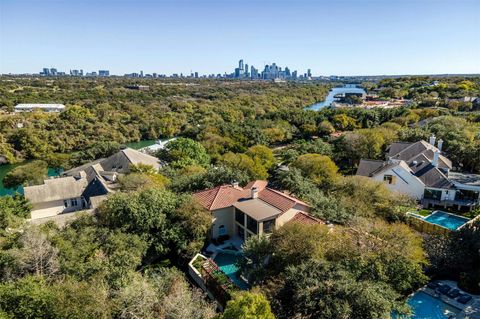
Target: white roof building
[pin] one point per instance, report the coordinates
(28, 107)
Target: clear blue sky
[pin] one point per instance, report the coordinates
(342, 37)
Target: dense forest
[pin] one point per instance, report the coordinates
(128, 260)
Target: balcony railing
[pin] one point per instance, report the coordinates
(449, 202)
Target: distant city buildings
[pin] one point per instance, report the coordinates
(271, 72)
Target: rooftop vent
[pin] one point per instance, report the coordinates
(254, 192)
(432, 140)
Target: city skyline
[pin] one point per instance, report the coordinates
(369, 37)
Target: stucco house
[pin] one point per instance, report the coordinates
(241, 212)
(421, 171)
(86, 186)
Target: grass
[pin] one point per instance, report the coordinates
(423, 212)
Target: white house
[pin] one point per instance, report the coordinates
(420, 170)
(29, 107)
(86, 186)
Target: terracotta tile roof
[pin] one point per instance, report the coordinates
(227, 195)
(305, 219)
(279, 200)
(220, 196)
(259, 184)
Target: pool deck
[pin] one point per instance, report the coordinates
(235, 242)
(470, 310)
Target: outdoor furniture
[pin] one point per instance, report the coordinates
(444, 289)
(454, 293)
(464, 299)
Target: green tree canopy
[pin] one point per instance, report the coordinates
(32, 173)
(248, 305)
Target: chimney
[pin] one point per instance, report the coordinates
(254, 192)
(432, 139)
(436, 155)
(235, 184)
(440, 144)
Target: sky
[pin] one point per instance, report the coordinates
(331, 37)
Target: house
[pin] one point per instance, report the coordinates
(421, 171)
(86, 186)
(44, 107)
(241, 212)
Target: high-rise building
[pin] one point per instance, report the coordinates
(309, 73)
(253, 72)
(240, 65)
(45, 72)
(53, 71)
(196, 75)
(103, 73)
(141, 74)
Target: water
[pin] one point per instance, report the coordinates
(226, 261)
(141, 144)
(4, 169)
(450, 221)
(348, 88)
(425, 306)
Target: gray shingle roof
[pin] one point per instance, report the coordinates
(55, 189)
(367, 167)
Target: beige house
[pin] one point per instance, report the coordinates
(250, 211)
(84, 187)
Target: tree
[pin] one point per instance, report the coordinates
(294, 243)
(256, 250)
(253, 168)
(319, 168)
(182, 152)
(325, 128)
(248, 305)
(32, 173)
(28, 298)
(36, 255)
(262, 154)
(12, 210)
(316, 289)
(58, 160)
(195, 222)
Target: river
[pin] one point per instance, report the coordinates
(348, 88)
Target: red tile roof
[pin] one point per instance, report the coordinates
(259, 184)
(227, 195)
(220, 196)
(305, 219)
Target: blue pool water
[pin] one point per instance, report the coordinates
(425, 306)
(446, 220)
(226, 262)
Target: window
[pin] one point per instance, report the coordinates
(65, 203)
(252, 225)
(240, 232)
(432, 194)
(268, 226)
(466, 195)
(222, 230)
(390, 179)
(74, 202)
(239, 217)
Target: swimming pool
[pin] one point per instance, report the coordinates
(425, 306)
(447, 220)
(226, 261)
